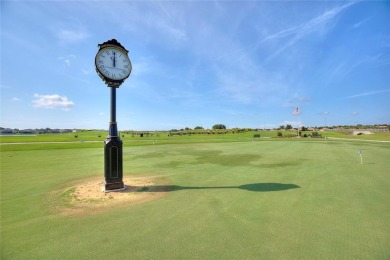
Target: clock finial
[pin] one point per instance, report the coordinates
(112, 42)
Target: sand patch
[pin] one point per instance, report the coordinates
(85, 197)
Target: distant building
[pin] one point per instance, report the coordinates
(27, 131)
(40, 131)
(7, 131)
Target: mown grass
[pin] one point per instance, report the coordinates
(95, 139)
(267, 199)
(86, 136)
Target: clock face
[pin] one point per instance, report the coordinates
(113, 63)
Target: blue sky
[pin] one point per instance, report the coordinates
(197, 63)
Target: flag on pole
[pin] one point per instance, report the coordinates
(296, 111)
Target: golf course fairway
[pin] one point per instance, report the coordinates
(263, 199)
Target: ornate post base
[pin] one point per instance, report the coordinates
(113, 164)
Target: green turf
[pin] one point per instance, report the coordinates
(268, 199)
(162, 137)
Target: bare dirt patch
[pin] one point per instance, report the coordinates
(86, 197)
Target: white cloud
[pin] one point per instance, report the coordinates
(169, 21)
(310, 26)
(358, 24)
(67, 59)
(293, 34)
(344, 68)
(72, 36)
(52, 101)
(15, 99)
(247, 83)
(144, 65)
(86, 71)
(370, 93)
(69, 36)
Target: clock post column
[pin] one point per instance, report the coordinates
(113, 66)
(113, 155)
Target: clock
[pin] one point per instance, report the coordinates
(112, 63)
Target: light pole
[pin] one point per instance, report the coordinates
(113, 66)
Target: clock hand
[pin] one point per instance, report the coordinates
(114, 59)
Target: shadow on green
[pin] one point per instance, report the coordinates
(260, 187)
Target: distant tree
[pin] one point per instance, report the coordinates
(281, 127)
(198, 128)
(219, 126)
(288, 127)
(304, 128)
(187, 129)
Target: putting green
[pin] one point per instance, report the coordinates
(241, 200)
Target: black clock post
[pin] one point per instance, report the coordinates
(113, 155)
(113, 66)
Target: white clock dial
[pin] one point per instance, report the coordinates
(113, 63)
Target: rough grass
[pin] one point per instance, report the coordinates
(228, 200)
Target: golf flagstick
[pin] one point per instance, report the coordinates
(296, 113)
(361, 156)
